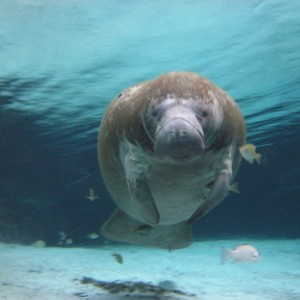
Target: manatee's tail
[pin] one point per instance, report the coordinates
(226, 253)
(123, 228)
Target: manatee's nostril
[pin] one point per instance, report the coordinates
(172, 135)
(183, 133)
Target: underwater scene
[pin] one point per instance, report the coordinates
(190, 189)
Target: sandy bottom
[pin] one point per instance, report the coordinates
(28, 272)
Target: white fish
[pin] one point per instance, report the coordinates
(93, 236)
(62, 235)
(92, 195)
(242, 253)
(68, 241)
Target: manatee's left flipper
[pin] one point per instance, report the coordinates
(141, 196)
(218, 193)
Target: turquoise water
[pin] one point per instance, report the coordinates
(63, 61)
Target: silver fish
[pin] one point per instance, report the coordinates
(242, 253)
(93, 236)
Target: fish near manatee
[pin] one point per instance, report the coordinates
(92, 195)
(242, 253)
(168, 151)
(143, 229)
(248, 152)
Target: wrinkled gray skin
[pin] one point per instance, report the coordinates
(168, 151)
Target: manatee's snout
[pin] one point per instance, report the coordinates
(179, 138)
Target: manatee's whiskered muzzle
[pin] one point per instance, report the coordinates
(179, 138)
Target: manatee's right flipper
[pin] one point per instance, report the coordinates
(141, 196)
(123, 228)
(220, 186)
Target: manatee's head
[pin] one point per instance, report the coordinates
(180, 127)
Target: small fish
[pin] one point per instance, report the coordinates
(92, 195)
(242, 253)
(62, 235)
(143, 229)
(118, 258)
(234, 187)
(39, 244)
(248, 153)
(68, 241)
(93, 236)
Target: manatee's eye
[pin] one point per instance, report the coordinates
(154, 114)
(204, 113)
(157, 110)
(200, 115)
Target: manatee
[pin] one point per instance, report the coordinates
(168, 151)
